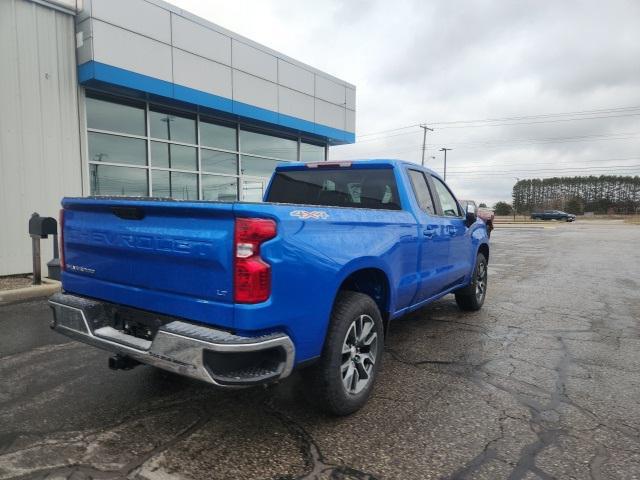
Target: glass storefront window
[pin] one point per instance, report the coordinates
(258, 167)
(221, 189)
(136, 148)
(167, 155)
(178, 185)
(253, 190)
(218, 136)
(116, 149)
(115, 117)
(110, 180)
(219, 162)
(268, 146)
(171, 126)
(311, 153)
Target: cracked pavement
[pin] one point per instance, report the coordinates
(542, 383)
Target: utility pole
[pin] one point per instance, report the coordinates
(424, 140)
(445, 150)
(513, 207)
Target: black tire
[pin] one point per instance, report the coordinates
(325, 381)
(472, 297)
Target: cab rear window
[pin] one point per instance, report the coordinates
(355, 188)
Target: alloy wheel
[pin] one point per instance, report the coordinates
(481, 281)
(359, 352)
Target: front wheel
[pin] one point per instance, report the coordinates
(472, 297)
(342, 380)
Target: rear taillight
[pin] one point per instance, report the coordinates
(61, 240)
(252, 275)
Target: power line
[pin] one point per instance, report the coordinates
(377, 139)
(503, 119)
(543, 115)
(530, 162)
(541, 121)
(526, 142)
(584, 171)
(519, 170)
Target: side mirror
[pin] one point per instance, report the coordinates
(471, 216)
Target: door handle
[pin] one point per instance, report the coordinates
(429, 231)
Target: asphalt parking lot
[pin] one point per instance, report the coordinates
(543, 383)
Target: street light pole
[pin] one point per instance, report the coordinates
(445, 150)
(424, 140)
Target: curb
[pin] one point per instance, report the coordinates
(48, 287)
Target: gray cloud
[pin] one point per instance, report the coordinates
(415, 61)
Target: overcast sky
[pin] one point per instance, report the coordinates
(441, 61)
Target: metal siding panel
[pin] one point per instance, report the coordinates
(295, 77)
(351, 98)
(350, 121)
(85, 51)
(191, 37)
(255, 91)
(202, 74)
(70, 175)
(121, 48)
(330, 91)
(329, 114)
(254, 61)
(39, 153)
(10, 141)
(135, 15)
(85, 12)
(295, 104)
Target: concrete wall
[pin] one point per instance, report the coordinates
(160, 41)
(39, 130)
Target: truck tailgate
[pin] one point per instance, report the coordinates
(175, 256)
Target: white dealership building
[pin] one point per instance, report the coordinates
(137, 98)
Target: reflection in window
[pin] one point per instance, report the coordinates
(166, 155)
(219, 162)
(261, 144)
(422, 191)
(221, 189)
(115, 117)
(447, 202)
(218, 136)
(258, 167)
(171, 126)
(253, 190)
(123, 133)
(311, 153)
(178, 185)
(116, 149)
(110, 180)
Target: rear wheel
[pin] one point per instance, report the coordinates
(472, 296)
(342, 380)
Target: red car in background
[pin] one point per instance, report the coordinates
(486, 214)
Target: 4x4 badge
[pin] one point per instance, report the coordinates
(309, 214)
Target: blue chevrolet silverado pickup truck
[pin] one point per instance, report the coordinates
(239, 294)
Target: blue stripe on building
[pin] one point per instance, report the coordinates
(95, 71)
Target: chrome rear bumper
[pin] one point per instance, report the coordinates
(205, 353)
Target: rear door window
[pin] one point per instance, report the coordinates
(336, 187)
(421, 191)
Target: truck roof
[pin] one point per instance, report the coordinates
(361, 163)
